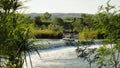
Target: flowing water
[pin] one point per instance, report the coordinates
(61, 57)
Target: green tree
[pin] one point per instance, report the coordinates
(46, 16)
(89, 34)
(78, 24)
(56, 27)
(108, 55)
(14, 35)
(107, 22)
(38, 21)
(8, 6)
(58, 21)
(87, 20)
(57, 24)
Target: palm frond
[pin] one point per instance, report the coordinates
(30, 59)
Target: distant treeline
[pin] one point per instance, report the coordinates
(82, 24)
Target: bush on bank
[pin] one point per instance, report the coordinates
(88, 34)
(47, 34)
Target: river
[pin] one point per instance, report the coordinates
(61, 57)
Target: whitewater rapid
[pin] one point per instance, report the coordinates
(62, 57)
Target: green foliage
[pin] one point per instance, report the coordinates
(107, 22)
(87, 20)
(86, 42)
(68, 19)
(8, 6)
(47, 34)
(14, 34)
(46, 16)
(55, 28)
(65, 24)
(104, 50)
(43, 27)
(58, 21)
(78, 24)
(88, 34)
(14, 38)
(38, 21)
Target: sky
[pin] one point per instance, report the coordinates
(66, 6)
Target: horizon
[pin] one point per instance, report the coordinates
(55, 13)
(65, 6)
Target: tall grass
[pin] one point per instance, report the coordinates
(46, 33)
(88, 34)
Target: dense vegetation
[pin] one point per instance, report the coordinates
(15, 33)
(63, 25)
(106, 23)
(47, 34)
(16, 29)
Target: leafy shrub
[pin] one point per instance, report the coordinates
(87, 42)
(87, 34)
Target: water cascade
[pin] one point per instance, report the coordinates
(61, 57)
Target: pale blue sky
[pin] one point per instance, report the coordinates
(66, 6)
